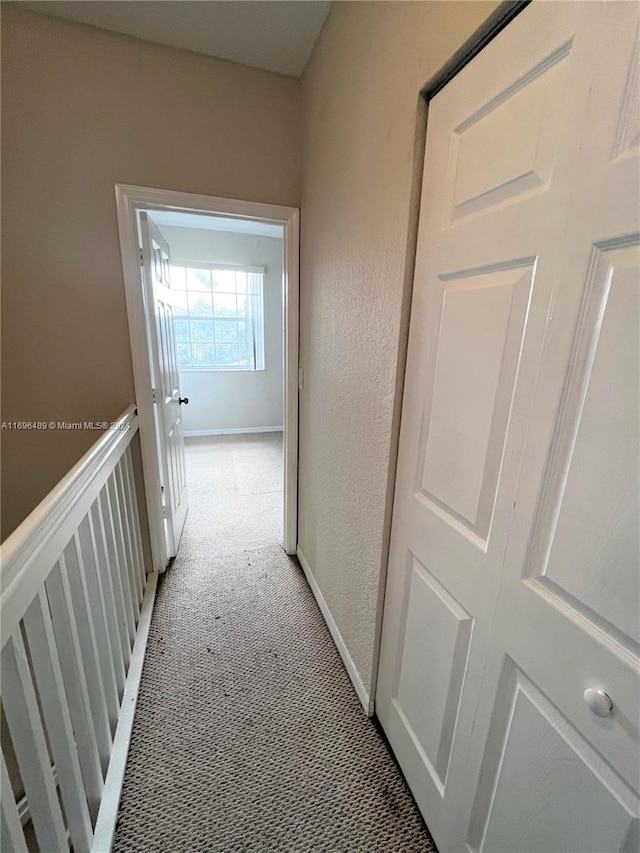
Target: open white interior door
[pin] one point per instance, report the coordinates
(170, 436)
(511, 614)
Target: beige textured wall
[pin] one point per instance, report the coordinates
(83, 109)
(362, 130)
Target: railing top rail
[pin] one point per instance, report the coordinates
(19, 548)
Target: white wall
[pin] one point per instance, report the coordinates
(232, 399)
(364, 127)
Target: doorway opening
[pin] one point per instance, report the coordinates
(212, 300)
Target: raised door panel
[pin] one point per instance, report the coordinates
(543, 787)
(517, 124)
(480, 339)
(433, 655)
(589, 550)
(628, 135)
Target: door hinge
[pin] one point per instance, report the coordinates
(154, 395)
(164, 512)
(141, 255)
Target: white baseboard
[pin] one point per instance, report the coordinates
(359, 687)
(194, 433)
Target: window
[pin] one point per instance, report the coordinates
(219, 320)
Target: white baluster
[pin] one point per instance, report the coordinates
(115, 571)
(104, 577)
(127, 587)
(28, 739)
(85, 726)
(89, 649)
(11, 835)
(53, 701)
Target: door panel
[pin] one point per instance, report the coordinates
(589, 507)
(435, 633)
(482, 181)
(568, 609)
(568, 799)
(170, 384)
(159, 299)
(473, 388)
(513, 568)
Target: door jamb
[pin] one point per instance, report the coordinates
(130, 199)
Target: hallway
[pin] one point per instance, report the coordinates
(248, 735)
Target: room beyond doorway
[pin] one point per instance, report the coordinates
(136, 203)
(235, 484)
(226, 276)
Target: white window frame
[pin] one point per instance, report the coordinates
(259, 357)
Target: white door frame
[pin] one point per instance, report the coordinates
(131, 199)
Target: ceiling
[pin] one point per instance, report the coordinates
(277, 35)
(216, 223)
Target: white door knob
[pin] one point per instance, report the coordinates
(599, 702)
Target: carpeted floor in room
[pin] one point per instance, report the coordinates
(248, 735)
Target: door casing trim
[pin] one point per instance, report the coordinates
(129, 200)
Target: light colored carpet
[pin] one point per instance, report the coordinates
(248, 735)
(235, 493)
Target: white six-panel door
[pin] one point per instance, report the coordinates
(513, 581)
(159, 300)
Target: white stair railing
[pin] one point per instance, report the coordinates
(75, 608)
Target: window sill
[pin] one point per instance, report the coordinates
(221, 370)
